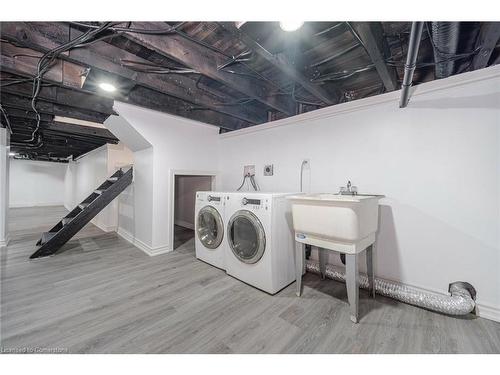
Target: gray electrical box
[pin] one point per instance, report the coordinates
(268, 170)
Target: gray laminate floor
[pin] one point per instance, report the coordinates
(102, 295)
(182, 235)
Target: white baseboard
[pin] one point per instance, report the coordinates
(184, 224)
(488, 312)
(103, 227)
(5, 242)
(151, 251)
(25, 205)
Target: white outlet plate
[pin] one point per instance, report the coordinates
(249, 170)
(268, 170)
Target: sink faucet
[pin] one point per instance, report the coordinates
(348, 189)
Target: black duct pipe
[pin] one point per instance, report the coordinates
(445, 37)
(411, 62)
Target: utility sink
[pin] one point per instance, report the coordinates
(345, 223)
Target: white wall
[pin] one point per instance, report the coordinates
(135, 221)
(4, 186)
(437, 161)
(185, 197)
(36, 183)
(178, 144)
(88, 172)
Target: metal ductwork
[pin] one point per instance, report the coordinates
(461, 300)
(445, 38)
(411, 62)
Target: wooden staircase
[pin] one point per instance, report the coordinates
(69, 225)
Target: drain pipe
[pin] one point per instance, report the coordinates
(411, 62)
(461, 300)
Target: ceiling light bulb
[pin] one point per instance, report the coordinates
(107, 87)
(291, 25)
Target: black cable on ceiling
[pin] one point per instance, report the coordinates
(48, 58)
(170, 30)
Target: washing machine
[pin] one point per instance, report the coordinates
(259, 240)
(210, 227)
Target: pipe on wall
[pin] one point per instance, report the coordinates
(411, 62)
(461, 300)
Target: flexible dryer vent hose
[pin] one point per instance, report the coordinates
(461, 300)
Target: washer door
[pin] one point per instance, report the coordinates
(246, 236)
(209, 227)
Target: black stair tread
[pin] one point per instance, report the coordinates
(66, 220)
(46, 236)
(88, 209)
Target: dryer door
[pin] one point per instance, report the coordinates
(246, 236)
(209, 227)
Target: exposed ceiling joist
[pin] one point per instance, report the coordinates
(72, 98)
(280, 62)
(108, 58)
(372, 37)
(19, 102)
(23, 61)
(103, 134)
(59, 131)
(145, 97)
(206, 62)
(27, 114)
(489, 35)
(179, 87)
(149, 99)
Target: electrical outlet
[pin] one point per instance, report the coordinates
(268, 170)
(249, 170)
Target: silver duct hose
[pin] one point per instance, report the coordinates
(445, 37)
(461, 300)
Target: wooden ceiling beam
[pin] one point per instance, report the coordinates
(145, 97)
(88, 131)
(372, 37)
(19, 102)
(489, 35)
(206, 62)
(23, 61)
(281, 63)
(60, 95)
(26, 114)
(106, 57)
(139, 96)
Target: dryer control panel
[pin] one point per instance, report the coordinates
(255, 204)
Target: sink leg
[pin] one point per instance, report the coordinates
(300, 254)
(352, 285)
(323, 256)
(303, 259)
(369, 268)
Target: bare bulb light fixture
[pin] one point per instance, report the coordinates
(107, 87)
(291, 25)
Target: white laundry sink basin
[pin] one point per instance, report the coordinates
(345, 223)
